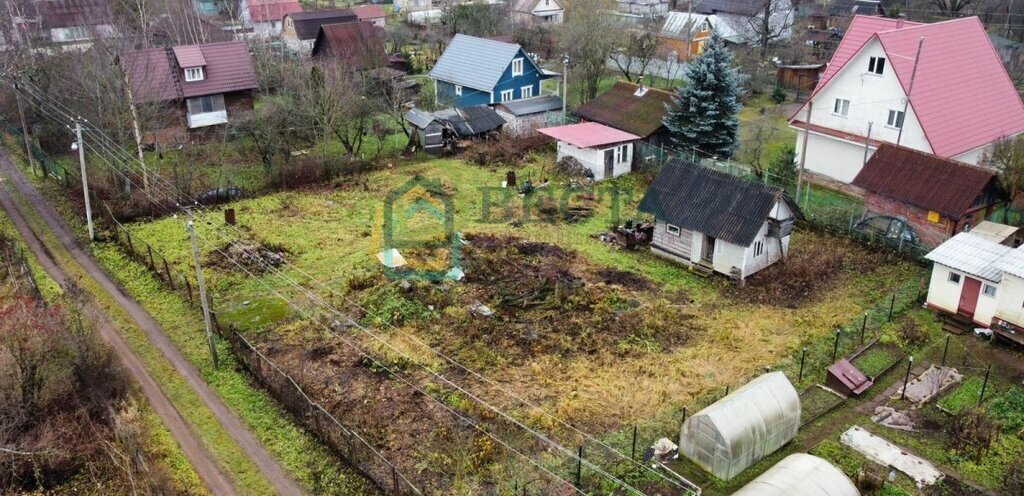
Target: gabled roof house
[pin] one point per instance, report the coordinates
(605, 151)
(633, 108)
(370, 13)
(718, 222)
(475, 71)
(684, 34)
(74, 24)
(357, 45)
(300, 29)
(208, 83)
(265, 17)
(534, 12)
(956, 104)
(937, 197)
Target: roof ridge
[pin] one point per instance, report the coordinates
(917, 25)
(951, 160)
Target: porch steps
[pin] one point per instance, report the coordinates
(957, 324)
(702, 269)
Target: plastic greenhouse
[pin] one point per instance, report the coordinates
(745, 426)
(803, 474)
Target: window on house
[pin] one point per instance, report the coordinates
(507, 95)
(989, 290)
(204, 104)
(672, 229)
(517, 67)
(842, 107)
(78, 33)
(876, 65)
(758, 248)
(458, 90)
(622, 154)
(526, 91)
(954, 278)
(193, 74)
(895, 119)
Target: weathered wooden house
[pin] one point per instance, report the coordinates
(300, 29)
(355, 45)
(439, 132)
(937, 197)
(633, 108)
(537, 12)
(607, 152)
(717, 222)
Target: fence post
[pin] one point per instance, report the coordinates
(149, 249)
(945, 350)
(188, 285)
(128, 236)
(394, 477)
(632, 454)
(579, 468)
(167, 269)
(835, 348)
(892, 304)
(863, 326)
(984, 385)
(906, 378)
(803, 356)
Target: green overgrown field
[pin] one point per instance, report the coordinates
(299, 453)
(332, 236)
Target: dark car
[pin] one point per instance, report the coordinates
(893, 230)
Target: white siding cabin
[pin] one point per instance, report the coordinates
(718, 222)
(606, 151)
(979, 277)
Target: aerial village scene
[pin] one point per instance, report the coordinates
(512, 247)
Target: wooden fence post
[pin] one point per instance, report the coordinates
(149, 249)
(167, 269)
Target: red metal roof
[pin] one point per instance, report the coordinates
(272, 10)
(963, 97)
(588, 134)
(228, 68)
(189, 56)
(368, 12)
(924, 180)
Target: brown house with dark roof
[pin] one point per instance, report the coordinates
(632, 108)
(208, 83)
(937, 197)
(356, 45)
(300, 29)
(75, 23)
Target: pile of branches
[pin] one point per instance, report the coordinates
(571, 167)
(505, 151)
(255, 258)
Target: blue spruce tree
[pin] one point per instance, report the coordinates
(704, 112)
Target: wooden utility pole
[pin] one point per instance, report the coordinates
(866, 143)
(803, 150)
(24, 131)
(202, 289)
(85, 180)
(906, 101)
(565, 85)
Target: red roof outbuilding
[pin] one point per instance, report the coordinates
(272, 10)
(588, 134)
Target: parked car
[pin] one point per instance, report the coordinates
(892, 230)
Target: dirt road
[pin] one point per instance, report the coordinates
(11, 177)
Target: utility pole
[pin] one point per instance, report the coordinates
(85, 179)
(866, 143)
(202, 288)
(689, 29)
(24, 131)
(803, 150)
(906, 101)
(565, 84)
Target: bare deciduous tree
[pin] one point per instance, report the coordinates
(585, 39)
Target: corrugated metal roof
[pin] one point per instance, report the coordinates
(994, 231)
(683, 24)
(71, 13)
(800, 474)
(189, 56)
(419, 118)
(1012, 262)
(481, 118)
(748, 8)
(476, 62)
(588, 134)
(272, 10)
(228, 68)
(715, 203)
(358, 45)
(534, 105)
(368, 12)
(924, 180)
(307, 24)
(621, 107)
(971, 254)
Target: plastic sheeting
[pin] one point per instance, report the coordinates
(800, 474)
(745, 426)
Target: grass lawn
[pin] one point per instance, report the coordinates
(333, 234)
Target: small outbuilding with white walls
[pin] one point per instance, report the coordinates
(966, 277)
(606, 151)
(739, 430)
(800, 474)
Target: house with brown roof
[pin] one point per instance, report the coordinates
(633, 108)
(370, 13)
(937, 197)
(266, 17)
(209, 83)
(75, 24)
(356, 45)
(300, 29)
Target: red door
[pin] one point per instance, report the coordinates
(969, 296)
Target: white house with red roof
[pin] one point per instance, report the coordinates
(370, 13)
(607, 152)
(265, 17)
(956, 104)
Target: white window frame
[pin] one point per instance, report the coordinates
(190, 74)
(216, 104)
(876, 66)
(672, 229)
(458, 90)
(954, 278)
(841, 108)
(526, 91)
(508, 95)
(758, 248)
(517, 67)
(989, 290)
(896, 119)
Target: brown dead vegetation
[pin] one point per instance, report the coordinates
(505, 151)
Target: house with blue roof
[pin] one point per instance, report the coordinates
(478, 71)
